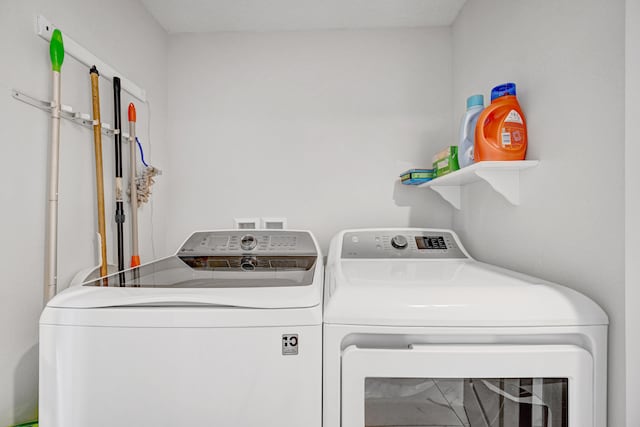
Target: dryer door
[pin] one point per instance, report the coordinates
(468, 385)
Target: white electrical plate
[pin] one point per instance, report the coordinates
(274, 223)
(247, 223)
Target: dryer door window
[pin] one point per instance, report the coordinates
(468, 385)
(469, 402)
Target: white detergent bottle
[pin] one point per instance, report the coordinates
(475, 105)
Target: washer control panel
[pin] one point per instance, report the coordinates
(418, 244)
(249, 242)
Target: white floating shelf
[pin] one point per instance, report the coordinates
(503, 176)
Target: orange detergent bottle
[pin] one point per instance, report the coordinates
(501, 132)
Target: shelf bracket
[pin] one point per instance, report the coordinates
(502, 176)
(450, 193)
(505, 182)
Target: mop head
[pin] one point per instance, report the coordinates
(144, 181)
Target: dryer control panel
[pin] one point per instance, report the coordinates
(402, 244)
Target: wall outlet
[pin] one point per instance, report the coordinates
(247, 223)
(274, 223)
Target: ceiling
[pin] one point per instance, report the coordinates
(195, 16)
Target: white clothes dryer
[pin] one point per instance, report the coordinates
(228, 332)
(418, 333)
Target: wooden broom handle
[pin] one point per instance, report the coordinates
(97, 137)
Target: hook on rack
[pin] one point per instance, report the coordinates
(66, 112)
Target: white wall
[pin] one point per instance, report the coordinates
(632, 178)
(567, 58)
(314, 126)
(126, 37)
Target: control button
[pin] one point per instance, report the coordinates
(248, 242)
(355, 239)
(399, 242)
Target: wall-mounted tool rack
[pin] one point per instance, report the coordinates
(66, 112)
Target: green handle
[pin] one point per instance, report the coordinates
(56, 50)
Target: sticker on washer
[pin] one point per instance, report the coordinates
(290, 344)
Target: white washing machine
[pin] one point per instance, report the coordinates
(228, 332)
(417, 333)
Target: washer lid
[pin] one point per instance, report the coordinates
(264, 269)
(407, 292)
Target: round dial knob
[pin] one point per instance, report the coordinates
(248, 242)
(399, 242)
(248, 263)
